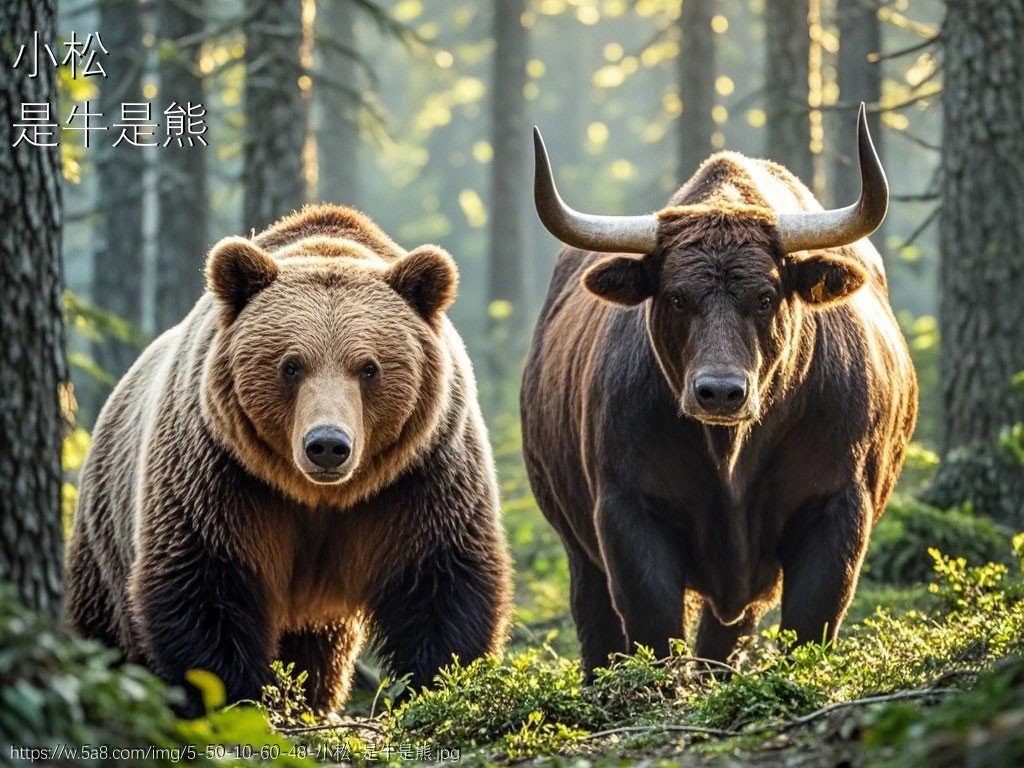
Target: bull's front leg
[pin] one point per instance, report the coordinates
(821, 560)
(645, 568)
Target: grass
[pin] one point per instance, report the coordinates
(937, 647)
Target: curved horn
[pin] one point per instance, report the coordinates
(609, 234)
(841, 226)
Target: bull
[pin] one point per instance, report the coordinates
(721, 407)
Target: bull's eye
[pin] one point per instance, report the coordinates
(291, 371)
(677, 301)
(369, 371)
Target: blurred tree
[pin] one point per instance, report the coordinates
(32, 361)
(119, 241)
(787, 52)
(859, 77)
(981, 278)
(337, 102)
(696, 78)
(182, 195)
(276, 113)
(509, 178)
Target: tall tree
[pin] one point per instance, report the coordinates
(859, 77)
(182, 196)
(32, 363)
(787, 52)
(696, 77)
(981, 277)
(276, 113)
(509, 177)
(337, 101)
(118, 254)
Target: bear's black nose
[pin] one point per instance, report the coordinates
(327, 447)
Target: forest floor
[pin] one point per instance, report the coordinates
(934, 678)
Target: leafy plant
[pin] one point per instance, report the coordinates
(900, 543)
(60, 690)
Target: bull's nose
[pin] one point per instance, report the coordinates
(721, 394)
(327, 447)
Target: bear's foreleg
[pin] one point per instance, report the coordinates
(197, 608)
(450, 603)
(328, 656)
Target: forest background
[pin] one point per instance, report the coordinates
(420, 113)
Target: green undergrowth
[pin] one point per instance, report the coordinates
(73, 702)
(535, 702)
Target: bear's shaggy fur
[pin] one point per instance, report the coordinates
(206, 536)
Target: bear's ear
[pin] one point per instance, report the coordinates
(427, 279)
(237, 270)
(624, 280)
(822, 278)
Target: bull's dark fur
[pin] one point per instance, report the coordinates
(650, 502)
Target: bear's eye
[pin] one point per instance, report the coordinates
(291, 370)
(677, 301)
(369, 371)
(765, 302)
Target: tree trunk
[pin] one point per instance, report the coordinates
(276, 114)
(696, 78)
(32, 363)
(182, 197)
(859, 79)
(981, 279)
(337, 103)
(509, 179)
(118, 254)
(787, 52)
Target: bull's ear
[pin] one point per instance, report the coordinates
(236, 270)
(822, 279)
(427, 279)
(622, 280)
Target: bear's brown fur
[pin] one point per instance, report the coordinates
(205, 534)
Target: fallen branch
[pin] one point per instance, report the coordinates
(724, 733)
(350, 725)
(826, 710)
(778, 727)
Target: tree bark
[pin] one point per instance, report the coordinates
(32, 362)
(118, 255)
(696, 78)
(276, 115)
(859, 79)
(981, 278)
(182, 192)
(337, 104)
(788, 45)
(509, 178)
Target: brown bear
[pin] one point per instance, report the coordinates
(298, 462)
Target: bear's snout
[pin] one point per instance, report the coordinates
(327, 447)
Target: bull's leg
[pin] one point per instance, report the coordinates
(716, 640)
(645, 569)
(820, 566)
(598, 626)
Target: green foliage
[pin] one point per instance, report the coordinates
(965, 588)
(744, 699)
(637, 688)
(485, 702)
(96, 324)
(284, 700)
(58, 689)
(981, 727)
(900, 543)
(74, 450)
